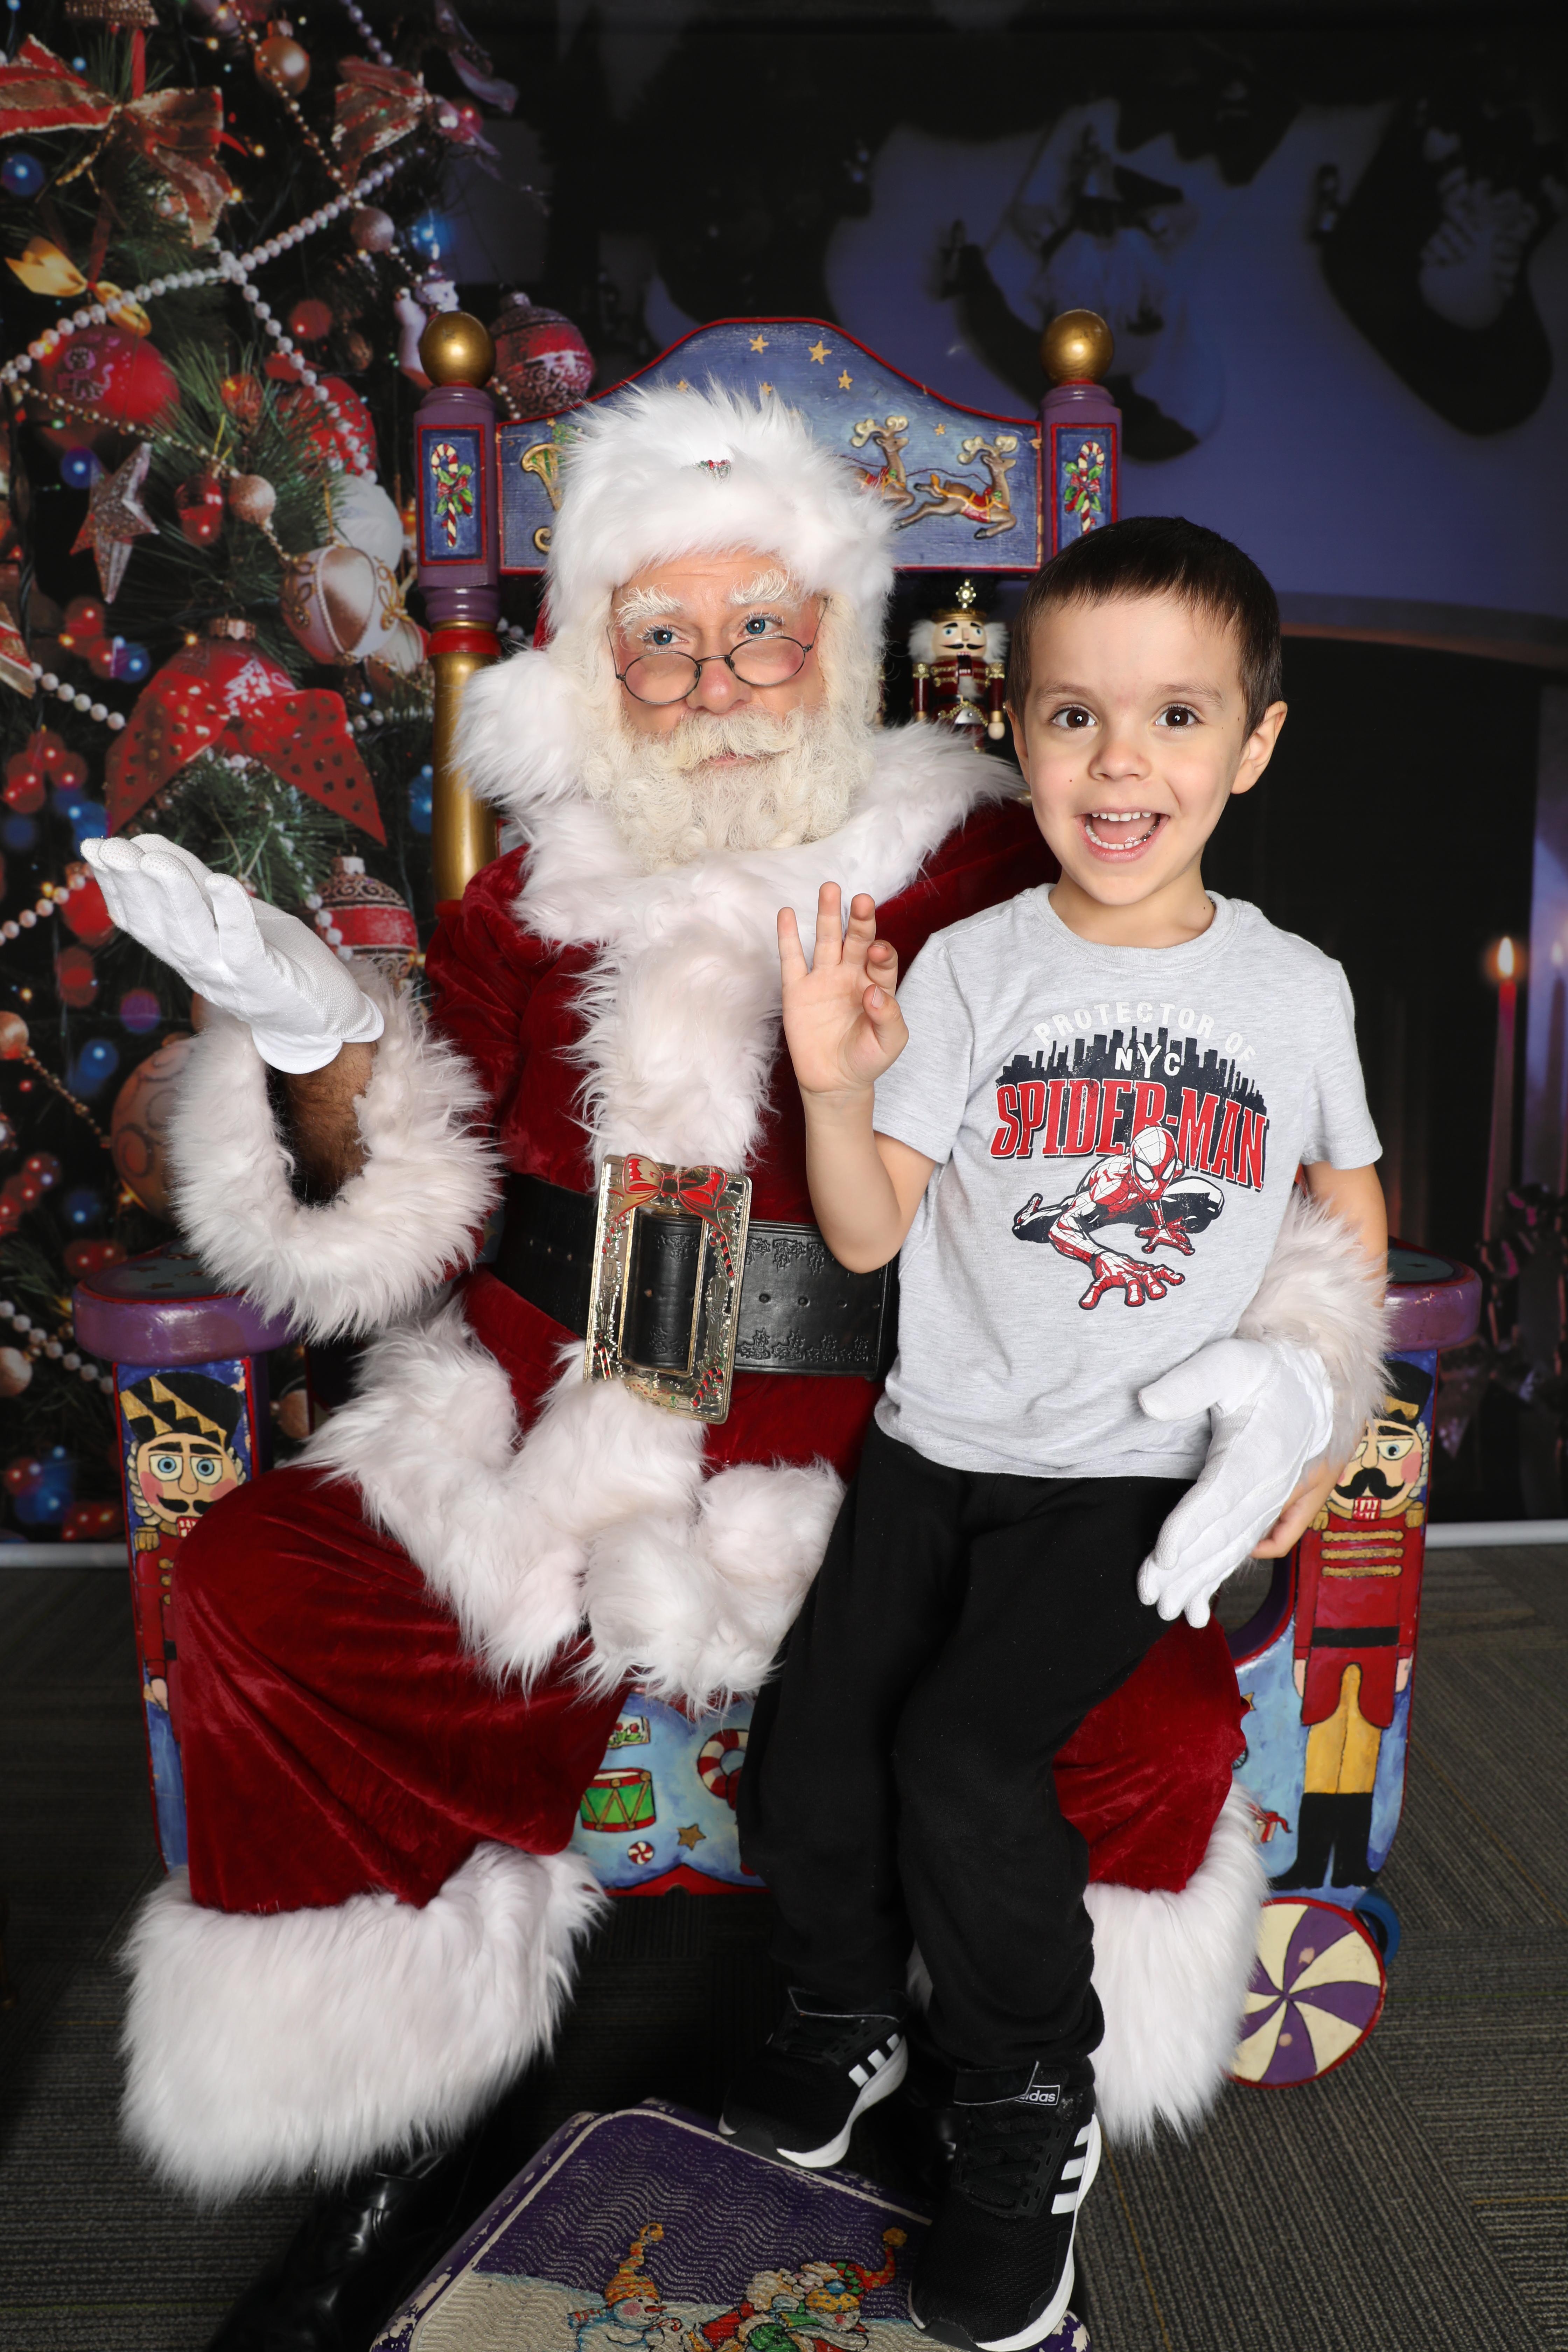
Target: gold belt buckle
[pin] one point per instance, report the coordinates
(632, 1186)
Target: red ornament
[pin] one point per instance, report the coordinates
(541, 358)
(226, 696)
(24, 782)
(244, 397)
(350, 435)
(76, 981)
(85, 916)
(311, 319)
(198, 502)
(45, 1168)
(69, 773)
(85, 619)
(366, 918)
(88, 1522)
(92, 1257)
(99, 656)
(121, 378)
(51, 749)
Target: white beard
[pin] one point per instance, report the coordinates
(798, 776)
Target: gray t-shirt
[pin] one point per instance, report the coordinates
(1116, 1131)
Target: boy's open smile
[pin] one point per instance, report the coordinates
(1121, 834)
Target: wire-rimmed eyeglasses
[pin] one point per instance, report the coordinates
(665, 676)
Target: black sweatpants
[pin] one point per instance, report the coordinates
(897, 1785)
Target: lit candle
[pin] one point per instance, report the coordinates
(1500, 1156)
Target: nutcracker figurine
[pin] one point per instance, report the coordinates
(1356, 1606)
(960, 666)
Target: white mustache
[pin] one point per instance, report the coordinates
(749, 734)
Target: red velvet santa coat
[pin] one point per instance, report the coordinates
(401, 1661)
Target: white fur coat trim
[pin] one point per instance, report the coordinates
(260, 2047)
(1316, 1293)
(409, 1217)
(601, 1517)
(1172, 1973)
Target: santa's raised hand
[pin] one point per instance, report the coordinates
(841, 1017)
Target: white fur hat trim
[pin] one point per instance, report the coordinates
(657, 474)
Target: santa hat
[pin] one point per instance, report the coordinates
(657, 474)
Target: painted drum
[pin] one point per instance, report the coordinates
(1317, 1991)
(164, 1307)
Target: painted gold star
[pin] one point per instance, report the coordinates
(115, 517)
(683, 385)
(759, 343)
(844, 381)
(764, 387)
(939, 428)
(818, 351)
(692, 1836)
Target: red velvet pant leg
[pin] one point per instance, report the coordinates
(336, 1736)
(1143, 1776)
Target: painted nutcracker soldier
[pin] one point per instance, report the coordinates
(180, 1428)
(402, 1658)
(960, 657)
(1357, 1600)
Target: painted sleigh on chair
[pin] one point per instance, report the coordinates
(1326, 1672)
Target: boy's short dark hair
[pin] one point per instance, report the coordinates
(1159, 555)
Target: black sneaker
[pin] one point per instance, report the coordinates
(817, 2071)
(995, 2272)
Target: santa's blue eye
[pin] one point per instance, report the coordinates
(758, 625)
(658, 639)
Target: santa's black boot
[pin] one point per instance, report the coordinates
(1352, 1828)
(1314, 1844)
(362, 2248)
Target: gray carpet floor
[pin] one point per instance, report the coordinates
(1417, 2197)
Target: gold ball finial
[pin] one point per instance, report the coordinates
(456, 349)
(1077, 347)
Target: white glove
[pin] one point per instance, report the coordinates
(1272, 1413)
(301, 1001)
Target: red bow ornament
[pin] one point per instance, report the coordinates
(375, 106)
(230, 699)
(174, 130)
(647, 1183)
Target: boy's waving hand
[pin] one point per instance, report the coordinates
(841, 1017)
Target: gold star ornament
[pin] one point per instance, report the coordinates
(818, 351)
(759, 343)
(116, 518)
(844, 381)
(690, 1837)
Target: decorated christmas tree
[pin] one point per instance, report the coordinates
(212, 289)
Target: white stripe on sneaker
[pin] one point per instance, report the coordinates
(860, 2077)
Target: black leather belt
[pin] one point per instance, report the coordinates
(800, 1310)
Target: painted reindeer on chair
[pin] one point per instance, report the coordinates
(892, 437)
(992, 508)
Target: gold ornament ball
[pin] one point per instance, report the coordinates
(280, 60)
(13, 1036)
(1077, 347)
(456, 349)
(16, 1372)
(252, 498)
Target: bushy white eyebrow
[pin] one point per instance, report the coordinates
(774, 587)
(645, 604)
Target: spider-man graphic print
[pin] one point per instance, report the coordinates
(1169, 1124)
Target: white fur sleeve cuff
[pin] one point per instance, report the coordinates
(389, 1235)
(1315, 1294)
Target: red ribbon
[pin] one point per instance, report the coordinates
(699, 1190)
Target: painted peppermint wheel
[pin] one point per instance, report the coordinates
(1317, 1991)
(718, 1762)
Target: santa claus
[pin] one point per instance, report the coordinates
(402, 1657)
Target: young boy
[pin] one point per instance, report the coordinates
(996, 1569)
